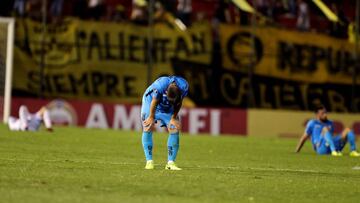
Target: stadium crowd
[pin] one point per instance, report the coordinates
(302, 15)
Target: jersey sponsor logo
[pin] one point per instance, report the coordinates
(165, 102)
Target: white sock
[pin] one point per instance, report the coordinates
(47, 120)
(23, 117)
(14, 124)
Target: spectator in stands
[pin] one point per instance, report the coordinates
(339, 29)
(34, 9)
(303, 19)
(184, 10)
(119, 14)
(139, 12)
(56, 8)
(278, 9)
(222, 14)
(30, 122)
(262, 6)
(292, 7)
(201, 17)
(163, 16)
(160, 13)
(20, 7)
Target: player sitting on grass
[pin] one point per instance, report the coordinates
(30, 122)
(321, 131)
(161, 102)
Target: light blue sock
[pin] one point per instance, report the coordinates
(173, 146)
(147, 143)
(329, 140)
(351, 140)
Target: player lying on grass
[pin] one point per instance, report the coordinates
(161, 102)
(30, 122)
(321, 131)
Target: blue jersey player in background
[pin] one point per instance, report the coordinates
(161, 103)
(321, 132)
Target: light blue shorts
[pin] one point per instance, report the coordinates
(324, 148)
(160, 116)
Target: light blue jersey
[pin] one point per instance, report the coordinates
(158, 90)
(314, 128)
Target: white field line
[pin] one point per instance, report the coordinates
(191, 167)
(285, 170)
(259, 169)
(70, 161)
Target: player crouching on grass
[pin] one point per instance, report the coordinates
(161, 102)
(30, 122)
(321, 131)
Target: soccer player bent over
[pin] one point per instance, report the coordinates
(321, 131)
(161, 102)
(30, 122)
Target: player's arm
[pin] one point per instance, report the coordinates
(173, 120)
(177, 108)
(149, 121)
(301, 142)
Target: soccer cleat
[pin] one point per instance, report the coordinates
(335, 153)
(172, 166)
(354, 154)
(149, 165)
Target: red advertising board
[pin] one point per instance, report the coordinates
(122, 116)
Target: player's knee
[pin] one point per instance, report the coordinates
(324, 130)
(173, 130)
(147, 130)
(22, 108)
(347, 130)
(42, 110)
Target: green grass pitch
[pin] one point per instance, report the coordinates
(88, 165)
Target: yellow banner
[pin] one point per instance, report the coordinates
(289, 55)
(103, 61)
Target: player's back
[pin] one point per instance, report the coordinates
(159, 87)
(162, 83)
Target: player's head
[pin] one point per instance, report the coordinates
(173, 94)
(320, 112)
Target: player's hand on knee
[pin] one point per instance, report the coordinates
(148, 124)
